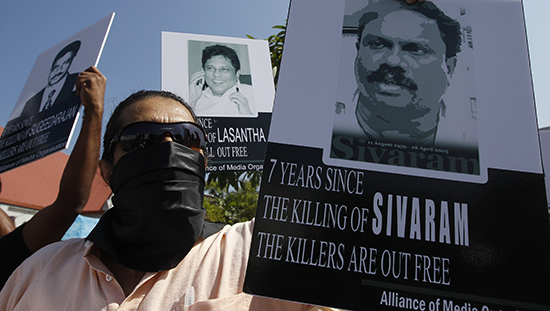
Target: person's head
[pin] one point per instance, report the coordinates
(143, 106)
(221, 67)
(157, 180)
(62, 62)
(406, 55)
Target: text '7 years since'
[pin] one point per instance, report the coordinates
(377, 213)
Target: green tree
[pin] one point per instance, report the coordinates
(231, 206)
(276, 43)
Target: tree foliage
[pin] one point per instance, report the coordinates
(230, 206)
(234, 179)
(276, 43)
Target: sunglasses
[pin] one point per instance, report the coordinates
(140, 135)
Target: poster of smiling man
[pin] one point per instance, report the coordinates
(45, 115)
(229, 84)
(403, 169)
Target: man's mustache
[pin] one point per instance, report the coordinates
(393, 76)
(58, 74)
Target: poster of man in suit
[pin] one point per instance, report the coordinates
(46, 112)
(61, 84)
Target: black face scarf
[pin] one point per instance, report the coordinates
(157, 215)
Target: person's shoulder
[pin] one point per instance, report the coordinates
(54, 251)
(35, 99)
(238, 234)
(55, 256)
(241, 227)
(59, 246)
(236, 229)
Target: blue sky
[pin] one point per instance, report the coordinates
(131, 58)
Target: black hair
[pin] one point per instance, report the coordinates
(222, 50)
(72, 47)
(115, 123)
(449, 28)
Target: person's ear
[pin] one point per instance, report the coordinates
(238, 74)
(451, 65)
(105, 168)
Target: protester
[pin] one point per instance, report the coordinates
(50, 224)
(152, 250)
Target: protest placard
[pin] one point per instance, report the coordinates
(403, 169)
(229, 84)
(47, 110)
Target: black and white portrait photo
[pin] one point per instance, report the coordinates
(60, 87)
(219, 76)
(229, 83)
(403, 161)
(394, 105)
(222, 87)
(46, 112)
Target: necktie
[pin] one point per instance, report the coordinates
(49, 101)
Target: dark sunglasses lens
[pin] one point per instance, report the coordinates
(141, 135)
(192, 136)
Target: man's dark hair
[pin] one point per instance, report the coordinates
(115, 123)
(227, 52)
(72, 47)
(448, 27)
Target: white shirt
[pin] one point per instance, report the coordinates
(68, 275)
(210, 105)
(56, 88)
